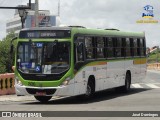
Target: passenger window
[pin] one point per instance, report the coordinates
(128, 52)
(127, 42)
(110, 50)
(100, 47)
(135, 42)
(128, 47)
(109, 42)
(117, 47)
(80, 54)
(79, 49)
(141, 43)
(89, 47)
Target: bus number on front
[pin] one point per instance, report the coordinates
(30, 35)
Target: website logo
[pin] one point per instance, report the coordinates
(147, 15)
(148, 12)
(6, 114)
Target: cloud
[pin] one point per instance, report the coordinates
(121, 14)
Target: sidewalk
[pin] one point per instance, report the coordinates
(15, 98)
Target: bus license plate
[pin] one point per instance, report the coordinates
(41, 93)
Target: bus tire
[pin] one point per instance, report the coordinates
(90, 90)
(126, 87)
(43, 99)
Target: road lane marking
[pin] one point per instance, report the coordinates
(152, 86)
(137, 86)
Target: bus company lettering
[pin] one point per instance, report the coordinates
(48, 34)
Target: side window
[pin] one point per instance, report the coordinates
(135, 45)
(117, 47)
(123, 49)
(142, 47)
(80, 54)
(79, 49)
(100, 47)
(132, 47)
(138, 47)
(128, 49)
(110, 50)
(89, 47)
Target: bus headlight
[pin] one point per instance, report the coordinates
(18, 81)
(66, 82)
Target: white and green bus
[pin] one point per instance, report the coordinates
(71, 61)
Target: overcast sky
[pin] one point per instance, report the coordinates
(120, 14)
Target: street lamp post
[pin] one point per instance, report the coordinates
(23, 15)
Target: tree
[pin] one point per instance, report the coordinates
(5, 59)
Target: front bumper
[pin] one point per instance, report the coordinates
(51, 91)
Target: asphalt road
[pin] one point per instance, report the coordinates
(142, 97)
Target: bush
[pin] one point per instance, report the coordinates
(5, 60)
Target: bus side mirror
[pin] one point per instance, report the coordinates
(11, 49)
(12, 46)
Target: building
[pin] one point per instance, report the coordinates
(45, 20)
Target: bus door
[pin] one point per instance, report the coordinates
(80, 77)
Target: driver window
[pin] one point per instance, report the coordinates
(79, 49)
(80, 55)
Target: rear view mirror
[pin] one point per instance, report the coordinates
(11, 49)
(12, 46)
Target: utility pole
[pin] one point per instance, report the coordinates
(36, 13)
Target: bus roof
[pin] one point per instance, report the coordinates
(82, 30)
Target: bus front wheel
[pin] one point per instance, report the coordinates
(43, 99)
(89, 90)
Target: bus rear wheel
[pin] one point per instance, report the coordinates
(43, 99)
(126, 87)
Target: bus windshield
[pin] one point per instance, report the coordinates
(43, 57)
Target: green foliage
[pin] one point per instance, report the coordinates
(5, 59)
(154, 57)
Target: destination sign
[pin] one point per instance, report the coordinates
(45, 34)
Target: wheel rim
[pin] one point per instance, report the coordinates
(88, 91)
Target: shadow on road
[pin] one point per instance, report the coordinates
(98, 97)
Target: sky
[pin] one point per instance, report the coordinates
(119, 14)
